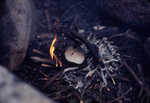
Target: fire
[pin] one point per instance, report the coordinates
(52, 47)
(52, 54)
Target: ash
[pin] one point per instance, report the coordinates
(80, 78)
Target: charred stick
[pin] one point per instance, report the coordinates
(140, 93)
(133, 73)
(147, 90)
(38, 52)
(52, 79)
(122, 96)
(38, 59)
(46, 65)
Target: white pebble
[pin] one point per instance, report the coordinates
(74, 55)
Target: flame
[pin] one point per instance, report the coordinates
(52, 48)
(52, 54)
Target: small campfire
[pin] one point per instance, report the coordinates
(85, 62)
(96, 60)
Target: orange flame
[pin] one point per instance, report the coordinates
(52, 54)
(52, 48)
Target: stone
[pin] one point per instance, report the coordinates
(74, 55)
(20, 15)
(15, 91)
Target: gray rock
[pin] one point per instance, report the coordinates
(14, 91)
(20, 13)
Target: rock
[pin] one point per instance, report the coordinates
(15, 91)
(20, 14)
(74, 55)
(132, 12)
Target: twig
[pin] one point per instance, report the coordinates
(126, 34)
(137, 79)
(48, 19)
(44, 36)
(140, 93)
(71, 7)
(38, 59)
(46, 77)
(122, 78)
(46, 65)
(52, 79)
(38, 52)
(122, 96)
